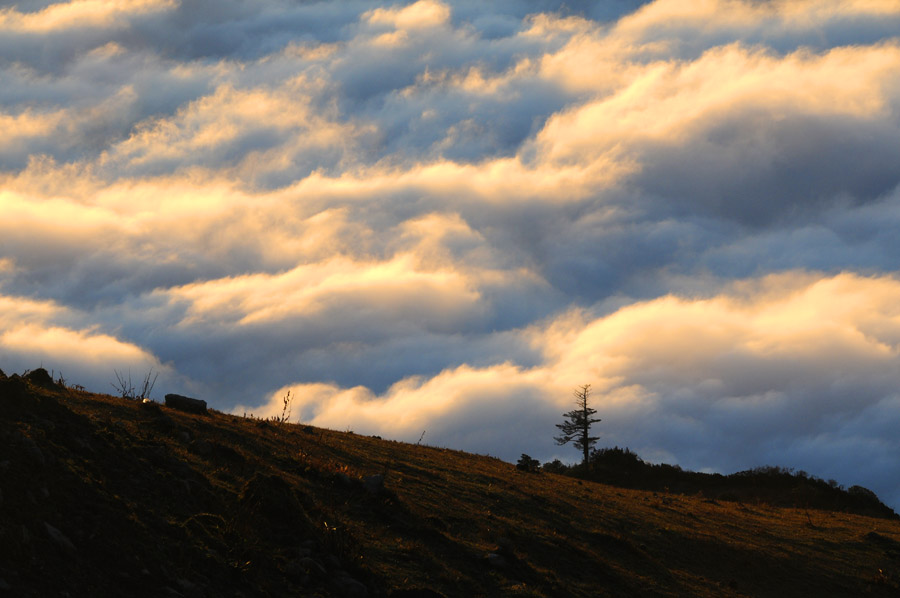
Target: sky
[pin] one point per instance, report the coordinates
(442, 217)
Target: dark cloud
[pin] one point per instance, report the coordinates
(759, 171)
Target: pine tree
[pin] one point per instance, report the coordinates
(577, 427)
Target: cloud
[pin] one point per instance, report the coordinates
(771, 370)
(795, 368)
(34, 333)
(756, 134)
(419, 15)
(366, 290)
(667, 27)
(79, 14)
(49, 37)
(443, 407)
(254, 131)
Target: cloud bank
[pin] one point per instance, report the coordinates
(443, 216)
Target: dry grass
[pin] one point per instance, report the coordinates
(224, 504)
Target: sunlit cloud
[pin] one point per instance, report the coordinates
(709, 16)
(769, 368)
(58, 345)
(29, 125)
(80, 13)
(340, 285)
(421, 14)
(34, 333)
(253, 130)
(672, 102)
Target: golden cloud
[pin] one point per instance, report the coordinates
(658, 17)
(80, 13)
(408, 407)
(764, 340)
(819, 325)
(32, 331)
(379, 289)
(667, 102)
(224, 118)
(30, 124)
(418, 15)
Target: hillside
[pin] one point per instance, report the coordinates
(101, 495)
(772, 485)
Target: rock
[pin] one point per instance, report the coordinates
(496, 561)
(186, 585)
(34, 453)
(186, 404)
(505, 547)
(374, 484)
(415, 593)
(190, 589)
(294, 571)
(13, 393)
(202, 448)
(271, 506)
(4, 587)
(45, 424)
(883, 541)
(59, 537)
(225, 453)
(349, 587)
(40, 377)
(162, 422)
(150, 407)
(311, 567)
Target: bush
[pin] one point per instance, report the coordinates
(126, 389)
(528, 464)
(863, 493)
(555, 466)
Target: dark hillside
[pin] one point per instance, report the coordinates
(770, 485)
(104, 496)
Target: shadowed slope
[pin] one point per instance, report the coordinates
(102, 495)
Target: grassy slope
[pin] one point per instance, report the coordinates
(156, 502)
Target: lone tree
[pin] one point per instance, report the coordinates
(577, 427)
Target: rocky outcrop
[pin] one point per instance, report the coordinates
(40, 377)
(186, 404)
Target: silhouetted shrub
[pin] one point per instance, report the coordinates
(862, 492)
(616, 458)
(769, 484)
(528, 464)
(555, 466)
